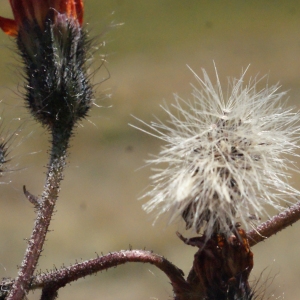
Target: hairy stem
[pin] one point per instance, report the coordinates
(60, 140)
(51, 282)
(274, 225)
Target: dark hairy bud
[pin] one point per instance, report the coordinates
(53, 46)
(58, 92)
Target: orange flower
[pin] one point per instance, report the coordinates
(37, 11)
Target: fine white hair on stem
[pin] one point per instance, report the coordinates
(227, 157)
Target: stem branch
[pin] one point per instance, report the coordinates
(274, 225)
(51, 282)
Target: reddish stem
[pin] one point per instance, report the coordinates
(274, 225)
(45, 209)
(51, 282)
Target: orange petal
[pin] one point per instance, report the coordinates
(73, 8)
(63, 6)
(19, 10)
(9, 26)
(79, 10)
(41, 10)
(56, 4)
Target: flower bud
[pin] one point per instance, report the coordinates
(53, 47)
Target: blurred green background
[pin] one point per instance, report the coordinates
(98, 209)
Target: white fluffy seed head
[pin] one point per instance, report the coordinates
(225, 158)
